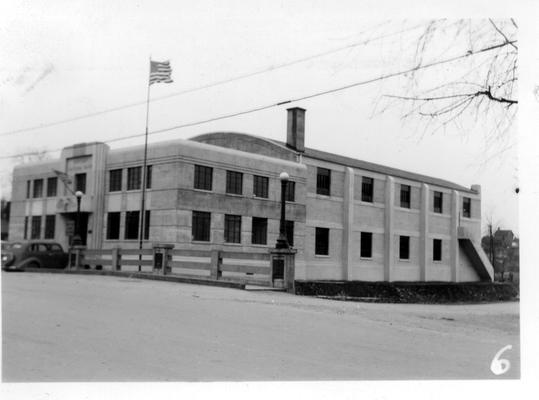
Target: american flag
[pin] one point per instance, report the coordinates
(160, 72)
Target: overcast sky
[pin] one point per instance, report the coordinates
(61, 60)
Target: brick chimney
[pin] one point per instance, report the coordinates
(295, 133)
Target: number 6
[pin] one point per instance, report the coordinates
(500, 366)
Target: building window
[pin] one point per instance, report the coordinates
(50, 225)
(113, 225)
(404, 247)
(149, 171)
(131, 224)
(134, 178)
(405, 196)
(437, 250)
(321, 245)
(259, 231)
(52, 186)
(25, 228)
(367, 188)
(233, 228)
(201, 226)
(147, 225)
(36, 227)
(234, 182)
(290, 191)
(203, 177)
(438, 202)
(466, 207)
(366, 245)
(260, 186)
(28, 183)
(80, 183)
(289, 229)
(115, 180)
(38, 188)
(323, 181)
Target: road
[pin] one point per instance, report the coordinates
(99, 328)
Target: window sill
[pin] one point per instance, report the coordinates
(322, 255)
(200, 241)
(366, 258)
(404, 260)
(203, 190)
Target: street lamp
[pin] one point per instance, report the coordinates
(282, 241)
(77, 241)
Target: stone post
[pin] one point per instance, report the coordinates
(116, 257)
(216, 262)
(162, 258)
(282, 266)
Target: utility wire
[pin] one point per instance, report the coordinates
(213, 84)
(310, 96)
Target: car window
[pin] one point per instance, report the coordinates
(15, 245)
(56, 247)
(38, 247)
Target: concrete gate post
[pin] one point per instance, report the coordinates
(162, 258)
(282, 267)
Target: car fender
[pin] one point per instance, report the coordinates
(26, 261)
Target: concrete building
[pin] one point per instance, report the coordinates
(348, 219)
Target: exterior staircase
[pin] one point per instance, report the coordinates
(477, 256)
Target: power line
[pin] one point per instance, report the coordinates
(213, 84)
(306, 97)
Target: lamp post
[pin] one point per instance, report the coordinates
(77, 241)
(282, 241)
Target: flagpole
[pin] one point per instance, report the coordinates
(144, 167)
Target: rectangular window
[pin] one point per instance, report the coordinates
(36, 227)
(367, 189)
(134, 178)
(80, 183)
(259, 231)
(437, 250)
(289, 229)
(260, 186)
(201, 226)
(323, 181)
(321, 246)
(50, 226)
(115, 180)
(405, 196)
(28, 183)
(203, 177)
(233, 228)
(404, 247)
(466, 207)
(438, 202)
(146, 225)
(149, 171)
(113, 225)
(131, 224)
(234, 182)
(290, 191)
(25, 228)
(366, 245)
(38, 188)
(52, 186)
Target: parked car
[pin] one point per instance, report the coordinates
(33, 254)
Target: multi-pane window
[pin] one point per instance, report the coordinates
(52, 186)
(50, 226)
(203, 177)
(131, 224)
(233, 228)
(321, 242)
(115, 180)
(147, 216)
(80, 182)
(437, 249)
(404, 247)
(25, 228)
(366, 245)
(289, 229)
(149, 171)
(290, 191)
(234, 182)
(367, 189)
(260, 186)
(38, 188)
(438, 202)
(405, 196)
(36, 227)
(113, 225)
(134, 178)
(201, 226)
(259, 231)
(323, 181)
(28, 183)
(466, 207)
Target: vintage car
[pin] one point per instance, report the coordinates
(33, 254)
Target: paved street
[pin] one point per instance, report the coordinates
(97, 328)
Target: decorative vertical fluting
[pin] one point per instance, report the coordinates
(424, 232)
(348, 223)
(388, 228)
